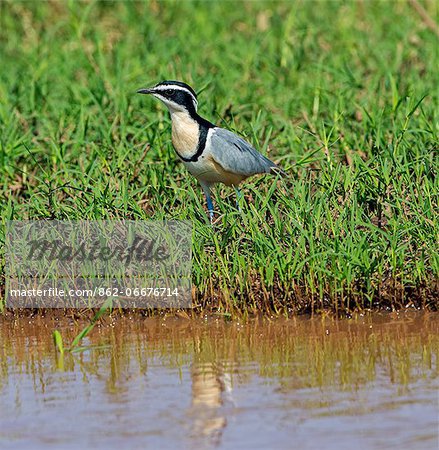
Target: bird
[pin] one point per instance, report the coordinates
(211, 154)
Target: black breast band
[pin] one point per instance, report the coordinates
(201, 143)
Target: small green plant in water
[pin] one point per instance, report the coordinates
(57, 340)
(74, 346)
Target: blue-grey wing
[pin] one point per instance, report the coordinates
(236, 155)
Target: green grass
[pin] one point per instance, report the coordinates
(343, 95)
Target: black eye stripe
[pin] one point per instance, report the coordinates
(179, 96)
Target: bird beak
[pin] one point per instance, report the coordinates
(145, 91)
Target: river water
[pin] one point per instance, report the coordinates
(370, 382)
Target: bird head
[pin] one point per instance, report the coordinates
(177, 96)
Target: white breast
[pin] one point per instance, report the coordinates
(185, 133)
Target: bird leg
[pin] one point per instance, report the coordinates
(206, 190)
(238, 198)
(210, 206)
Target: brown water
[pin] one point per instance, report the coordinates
(364, 383)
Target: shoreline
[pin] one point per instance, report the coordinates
(391, 296)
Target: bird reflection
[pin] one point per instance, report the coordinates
(211, 387)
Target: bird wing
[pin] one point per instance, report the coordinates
(237, 156)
